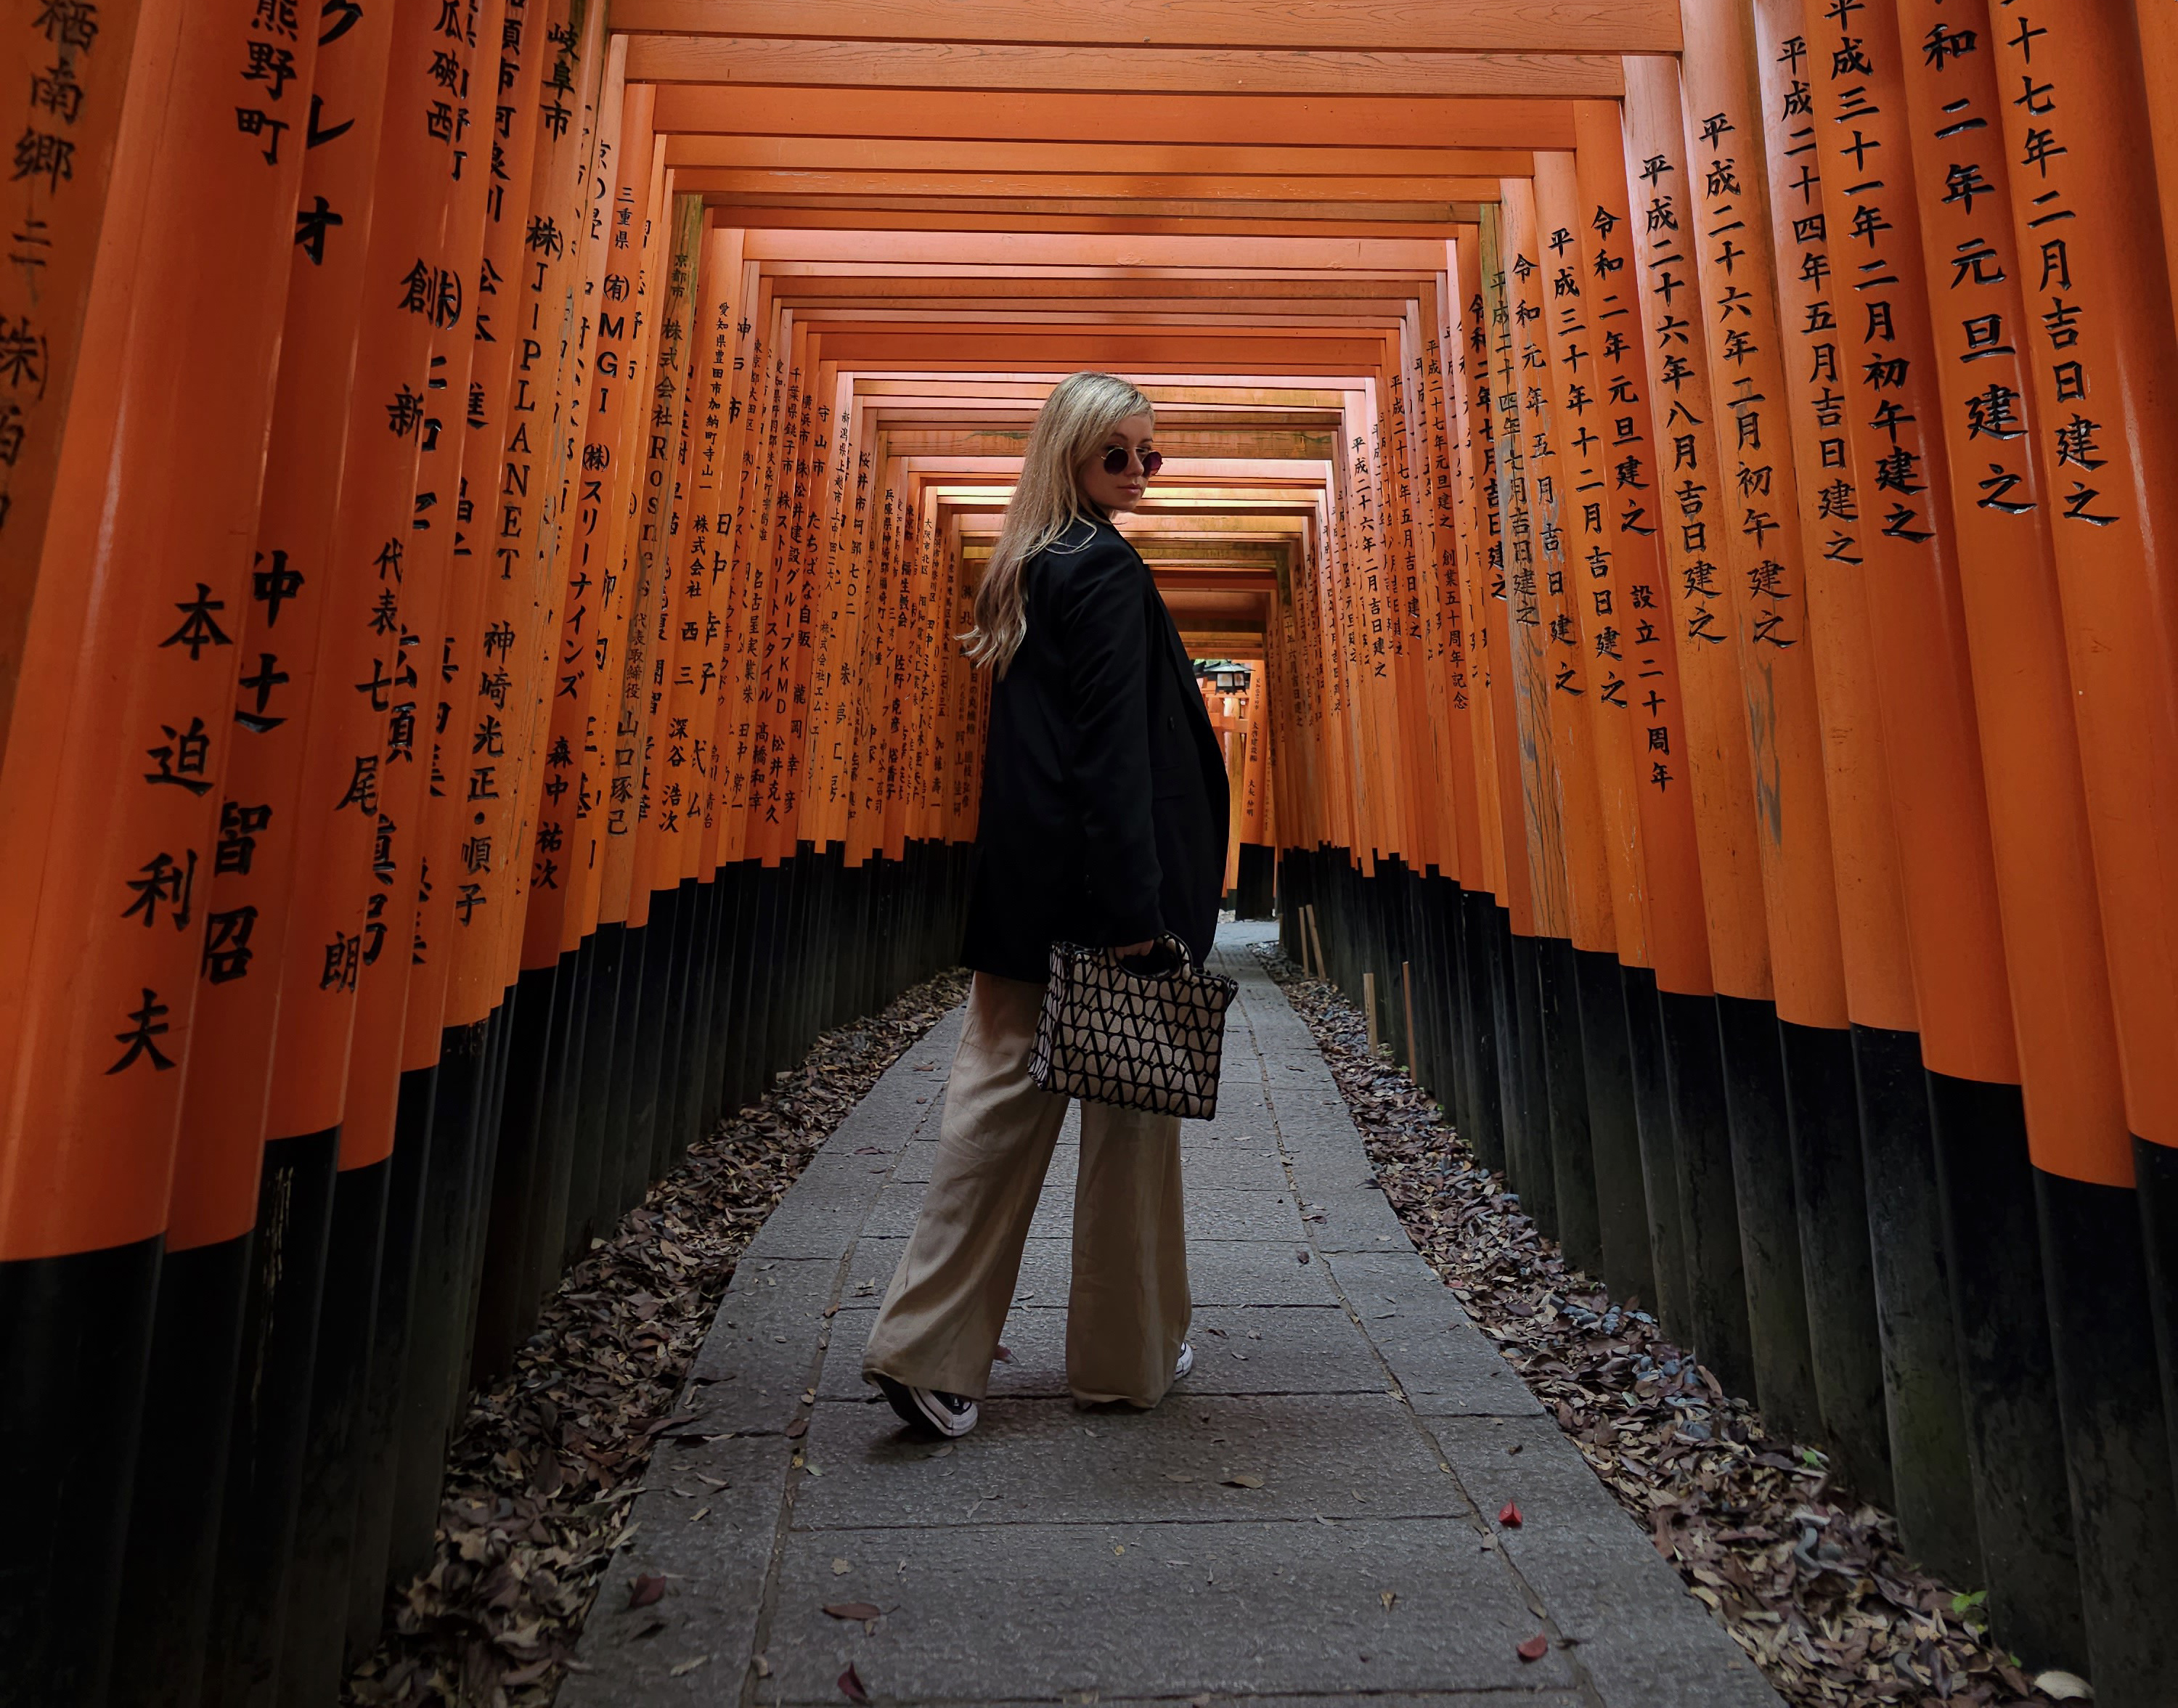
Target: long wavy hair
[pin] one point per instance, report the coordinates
(1071, 427)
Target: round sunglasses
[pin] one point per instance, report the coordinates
(1115, 461)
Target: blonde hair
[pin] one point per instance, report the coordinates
(1073, 425)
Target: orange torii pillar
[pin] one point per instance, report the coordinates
(119, 743)
(1932, 1490)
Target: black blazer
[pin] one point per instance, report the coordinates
(1104, 803)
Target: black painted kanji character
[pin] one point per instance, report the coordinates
(343, 960)
(261, 683)
(311, 226)
(181, 759)
(227, 952)
(199, 628)
(146, 1023)
(252, 121)
(276, 586)
(239, 828)
(40, 153)
(166, 882)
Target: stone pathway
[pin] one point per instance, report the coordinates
(1057, 1555)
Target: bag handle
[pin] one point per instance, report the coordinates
(1183, 961)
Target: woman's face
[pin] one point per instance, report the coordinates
(1123, 490)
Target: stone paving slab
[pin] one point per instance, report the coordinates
(1149, 1609)
(1219, 1271)
(1245, 1349)
(1330, 1456)
(1060, 1555)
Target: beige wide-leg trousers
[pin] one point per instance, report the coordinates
(1128, 1311)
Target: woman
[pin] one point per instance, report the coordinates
(1104, 823)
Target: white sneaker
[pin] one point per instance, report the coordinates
(1186, 1361)
(951, 1414)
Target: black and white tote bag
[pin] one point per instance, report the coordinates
(1143, 1040)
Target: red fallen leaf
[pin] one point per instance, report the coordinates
(1509, 1516)
(1535, 1648)
(851, 1685)
(1004, 1355)
(644, 1590)
(797, 1429)
(853, 1610)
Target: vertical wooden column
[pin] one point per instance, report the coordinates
(1932, 1489)
(1586, 641)
(1631, 575)
(109, 966)
(2098, 341)
(1814, 1123)
(1531, 914)
(1690, 500)
(1893, 417)
(72, 73)
(204, 1280)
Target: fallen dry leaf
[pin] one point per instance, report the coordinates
(1809, 1579)
(1535, 1648)
(688, 1666)
(1509, 1516)
(854, 1610)
(2063, 1687)
(797, 1429)
(841, 1568)
(1388, 1597)
(544, 1464)
(1004, 1354)
(1245, 1479)
(851, 1685)
(644, 1590)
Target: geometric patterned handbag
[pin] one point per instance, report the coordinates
(1144, 1041)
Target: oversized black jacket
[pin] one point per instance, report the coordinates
(1104, 802)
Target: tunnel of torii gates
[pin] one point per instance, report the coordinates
(1677, 492)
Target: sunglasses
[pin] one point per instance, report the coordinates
(1115, 461)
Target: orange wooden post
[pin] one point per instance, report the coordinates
(1511, 925)
(1631, 573)
(106, 971)
(2098, 336)
(1932, 1490)
(1893, 416)
(1565, 852)
(1529, 917)
(1476, 926)
(71, 71)
(1812, 1139)
(500, 774)
(1771, 1349)
(659, 900)
(1603, 811)
(1451, 491)
(567, 862)
(699, 671)
(482, 897)
(205, 1283)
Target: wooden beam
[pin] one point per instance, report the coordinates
(1473, 26)
(1065, 190)
(917, 155)
(1296, 121)
(1238, 224)
(960, 66)
(905, 248)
